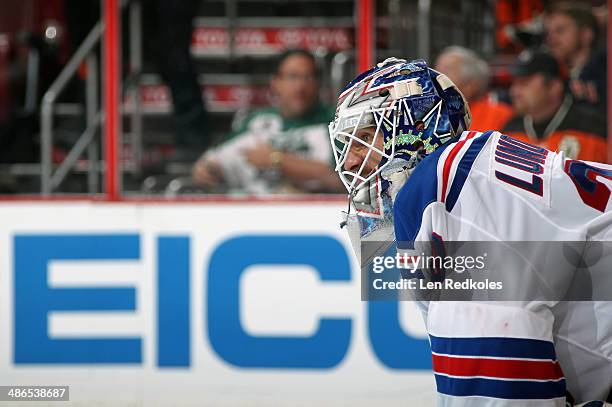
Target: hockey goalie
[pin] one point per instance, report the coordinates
(416, 174)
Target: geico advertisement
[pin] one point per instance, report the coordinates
(200, 304)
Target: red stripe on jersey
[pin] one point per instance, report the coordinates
(449, 162)
(498, 368)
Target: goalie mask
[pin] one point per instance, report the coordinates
(391, 116)
(387, 120)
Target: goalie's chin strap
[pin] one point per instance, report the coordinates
(348, 212)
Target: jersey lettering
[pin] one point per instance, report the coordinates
(523, 157)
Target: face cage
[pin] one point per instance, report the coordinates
(346, 139)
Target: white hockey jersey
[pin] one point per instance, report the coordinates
(490, 187)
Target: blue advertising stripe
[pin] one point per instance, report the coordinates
(494, 347)
(502, 389)
(464, 167)
(92, 299)
(173, 301)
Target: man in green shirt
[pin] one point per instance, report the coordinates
(281, 148)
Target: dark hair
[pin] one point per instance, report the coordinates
(581, 13)
(296, 52)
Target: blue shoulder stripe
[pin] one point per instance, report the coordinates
(464, 167)
(418, 192)
(503, 389)
(494, 347)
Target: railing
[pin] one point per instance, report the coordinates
(94, 116)
(49, 179)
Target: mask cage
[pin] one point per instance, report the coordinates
(343, 136)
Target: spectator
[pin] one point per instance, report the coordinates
(471, 75)
(518, 23)
(169, 25)
(571, 34)
(547, 114)
(281, 148)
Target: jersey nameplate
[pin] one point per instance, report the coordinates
(522, 167)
